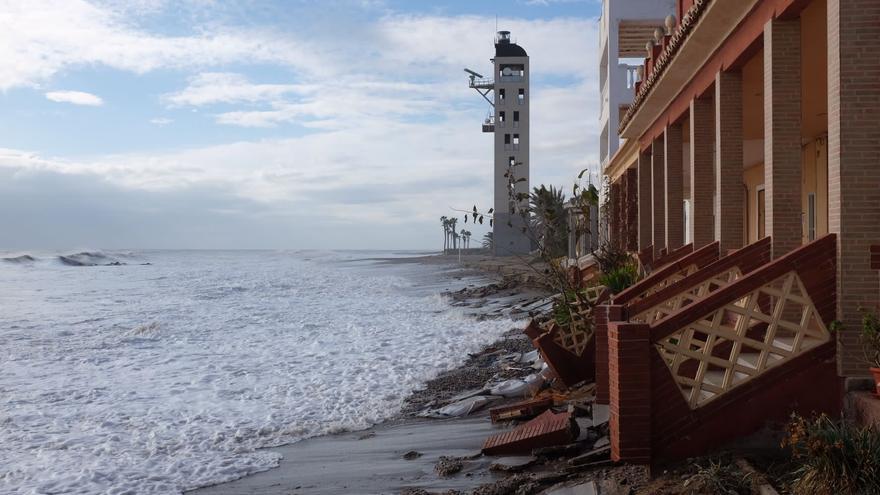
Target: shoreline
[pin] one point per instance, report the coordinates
(309, 460)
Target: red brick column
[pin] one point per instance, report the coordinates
(603, 315)
(646, 232)
(702, 172)
(729, 203)
(782, 134)
(629, 347)
(632, 209)
(658, 196)
(674, 174)
(615, 213)
(853, 164)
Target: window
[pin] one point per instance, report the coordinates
(516, 118)
(521, 97)
(760, 218)
(507, 142)
(511, 161)
(516, 141)
(811, 215)
(501, 94)
(501, 118)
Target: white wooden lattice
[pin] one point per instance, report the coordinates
(680, 300)
(741, 340)
(575, 336)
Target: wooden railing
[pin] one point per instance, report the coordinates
(679, 293)
(683, 263)
(753, 350)
(762, 320)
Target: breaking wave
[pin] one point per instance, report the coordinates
(87, 258)
(25, 258)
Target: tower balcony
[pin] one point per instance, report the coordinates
(483, 83)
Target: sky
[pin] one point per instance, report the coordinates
(242, 124)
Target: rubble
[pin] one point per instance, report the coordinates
(447, 466)
(546, 430)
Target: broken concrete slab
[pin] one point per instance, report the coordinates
(546, 430)
(596, 455)
(588, 488)
(513, 464)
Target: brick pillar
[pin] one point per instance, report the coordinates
(658, 196)
(646, 233)
(853, 164)
(604, 314)
(782, 134)
(729, 203)
(674, 174)
(632, 209)
(702, 172)
(629, 347)
(614, 233)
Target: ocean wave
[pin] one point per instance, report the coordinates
(87, 258)
(25, 258)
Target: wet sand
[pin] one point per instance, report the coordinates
(371, 462)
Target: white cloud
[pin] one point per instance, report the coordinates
(75, 97)
(161, 121)
(224, 87)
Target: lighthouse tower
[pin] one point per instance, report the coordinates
(510, 125)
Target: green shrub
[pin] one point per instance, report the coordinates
(620, 278)
(871, 338)
(834, 456)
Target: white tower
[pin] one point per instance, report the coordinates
(510, 124)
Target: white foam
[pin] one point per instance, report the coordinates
(162, 378)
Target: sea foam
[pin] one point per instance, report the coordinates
(162, 378)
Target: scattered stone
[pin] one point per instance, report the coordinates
(414, 491)
(513, 464)
(447, 466)
(507, 486)
(412, 454)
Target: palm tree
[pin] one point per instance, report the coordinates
(452, 222)
(549, 220)
(488, 240)
(445, 222)
(465, 237)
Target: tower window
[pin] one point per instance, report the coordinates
(511, 161)
(516, 141)
(516, 119)
(507, 139)
(521, 97)
(501, 94)
(501, 118)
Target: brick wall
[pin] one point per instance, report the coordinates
(658, 196)
(729, 202)
(674, 174)
(702, 176)
(603, 315)
(782, 134)
(853, 163)
(632, 209)
(629, 379)
(646, 233)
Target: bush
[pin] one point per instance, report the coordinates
(720, 478)
(620, 278)
(834, 456)
(870, 338)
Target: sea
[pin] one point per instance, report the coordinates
(156, 372)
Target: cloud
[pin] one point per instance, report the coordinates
(210, 88)
(75, 97)
(393, 133)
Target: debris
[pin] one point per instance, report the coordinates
(602, 442)
(521, 410)
(530, 357)
(546, 430)
(600, 454)
(513, 464)
(518, 388)
(412, 454)
(588, 488)
(464, 407)
(447, 466)
(567, 450)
